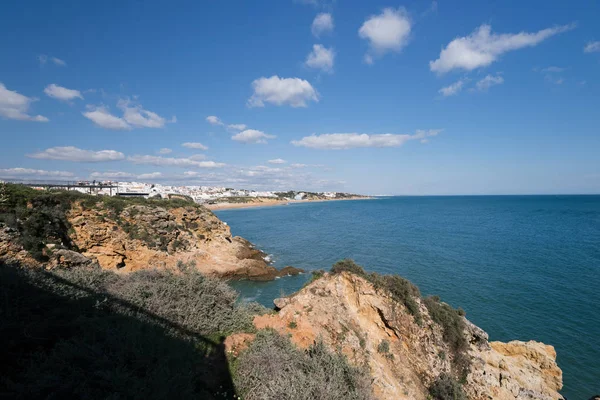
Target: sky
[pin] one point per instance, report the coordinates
(373, 97)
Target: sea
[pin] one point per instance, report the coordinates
(522, 267)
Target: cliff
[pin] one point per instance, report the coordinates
(65, 229)
(408, 356)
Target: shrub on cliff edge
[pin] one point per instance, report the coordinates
(401, 290)
(89, 333)
(273, 368)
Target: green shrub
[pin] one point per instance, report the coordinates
(273, 368)
(293, 325)
(446, 388)
(453, 327)
(89, 333)
(383, 347)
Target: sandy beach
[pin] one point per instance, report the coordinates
(270, 203)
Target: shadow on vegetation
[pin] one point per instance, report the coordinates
(64, 340)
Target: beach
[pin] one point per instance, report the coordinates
(271, 202)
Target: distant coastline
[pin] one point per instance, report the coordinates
(255, 203)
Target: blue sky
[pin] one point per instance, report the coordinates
(414, 97)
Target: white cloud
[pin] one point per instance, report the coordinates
(344, 141)
(592, 47)
(214, 120)
(489, 81)
(195, 145)
(252, 136)
(295, 92)
(197, 157)
(453, 89)
(482, 47)
(62, 93)
(298, 165)
(104, 119)
(385, 32)
(119, 175)
(151, 175)
(323, 23)
(113, 175)
(165, 150)
(173, 162)
(14, 105)
(236, 127)
(277, 161)
(136, 116)
(71, 153)
(28, 172)
(321, 58)
(59, 62)
(43, 59)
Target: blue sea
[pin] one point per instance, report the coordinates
(523, 267)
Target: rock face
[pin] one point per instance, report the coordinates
(348, 313)
(155, 237)
(147, 236)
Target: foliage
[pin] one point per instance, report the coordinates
(383, 347)
(89, 333)
(40, 216)
(273, 368)
(453, 326)
(446, 388)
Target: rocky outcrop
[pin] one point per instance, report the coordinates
(403, 357)
(144, 236)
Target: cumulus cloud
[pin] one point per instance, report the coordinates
(165, 150)
(100, 116)
(482, 47)
(321, 58)
(150, 176)
(213, 120)
(592, 47)
(298, 165)
(112, 175)
(489, 81)
(71, 153)
(62, 93)
(294, 92)
(344, 141)
(323, 23)
(195, 145)
(28, 173)
(277, 161)
(453, 89)
(14, 105)
(252, 136)
(236, 127)
(385, 32)
(136, 116)
(173, 162)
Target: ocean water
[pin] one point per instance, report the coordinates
(523, 267)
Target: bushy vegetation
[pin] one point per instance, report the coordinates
(40, 216)
(88, 333)
(446, 388)
(453, 326)
(273, 368)
(401, 290)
